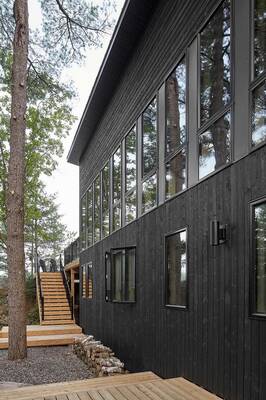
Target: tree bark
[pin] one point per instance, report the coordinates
(15, 195)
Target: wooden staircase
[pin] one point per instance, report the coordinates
(52, 297)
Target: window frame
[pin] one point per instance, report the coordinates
(127, 193)
(107, 164)
(119, 202)
(252, 261)
(228, 108)
(83, 197)
(86, 266)
(108, 279)
(165, 294)
(99, 175)
(169, 157)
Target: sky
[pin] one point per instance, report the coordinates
(65, 180)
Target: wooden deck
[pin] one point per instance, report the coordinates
(140, 386)
(40, 335)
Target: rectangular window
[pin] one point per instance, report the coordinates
(131, 176)
(176, 136)
(215, 61)
(258, 86)
(176, 269)
(83, 223)
(117, 191)
(149, 193)
(215, 91)
(97, 209)
(89, 217)
(106, 200)
(120, 275)
(259, 257)
(87, 281)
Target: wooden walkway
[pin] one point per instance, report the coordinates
(140, 386)
(40, 335)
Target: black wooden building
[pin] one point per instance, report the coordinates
(172, 158)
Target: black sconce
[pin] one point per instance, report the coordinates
(217, 233)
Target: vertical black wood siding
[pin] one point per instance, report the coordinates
(214, 343)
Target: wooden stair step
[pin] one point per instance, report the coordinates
(58, 322)
(57, 317)
(51, 340)
(58, 313)
(41, 330)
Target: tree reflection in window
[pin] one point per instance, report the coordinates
(176, 263)
(89, 217)
(97, 209)
(83, 223)
(117, 184)
(131, 159)
(260, 257)
(149, 193)
(175, 172)
(259, 114)
(259, 37)
(215, 60)
(131, 209)
(214, 146)
(149, 138)
(105, 200)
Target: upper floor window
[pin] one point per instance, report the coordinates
(215, 91)
(90, 216)
(83, 223)
(259, 258)
(131, 176)
(117, 184)
(106, 200)
(97, 209)
(149, 157)
(258, 86)
(176, 269)
(121, 275)
(175, 138)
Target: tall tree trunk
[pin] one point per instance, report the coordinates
(15, 196)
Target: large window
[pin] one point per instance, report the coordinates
(97, 209)
(259, 257)
(149, 157)
(175, 139)
(106, 200)
(87, 281)
(121, 275)
(258, 85)
(176, 269)
(83, 223)
(131, 176)
(215, 91)
(116, 185)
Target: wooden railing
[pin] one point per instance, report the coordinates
(67, 288)
(39, 292)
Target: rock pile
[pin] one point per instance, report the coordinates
(99, 358)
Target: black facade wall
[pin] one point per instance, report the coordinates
(172, 27)
(214, 343)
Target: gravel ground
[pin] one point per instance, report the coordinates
(43, 365)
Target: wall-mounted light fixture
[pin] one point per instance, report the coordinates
(217, 233)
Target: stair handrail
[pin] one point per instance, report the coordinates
(39, 286)
(66, 285)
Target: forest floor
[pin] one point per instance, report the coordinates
(43, 365)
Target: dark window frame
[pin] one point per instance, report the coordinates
(87, 266)
(91, 187)
(119, 202)
(84, 197)
(254, 82)
(100, 206)
(110, 199)
(165, 294)
(228, 108)
(108, 277)
(252, 261)
(128, 193)
(146, 176)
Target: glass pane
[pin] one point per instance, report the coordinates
(215, 63)
(149, 138)
(117, 175)
(131, 209)
(123, 275)
(176, 258)
(259, 114)
(131, 160)
(214, 146)
(260, 249)
(105, 200)
(89, 217)
(259, 37)
(149, 193)
(90, 282)
(84, 284)
(97, 209)
(175, 174)
(176, 108)
(116, 217)
(83, 223)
